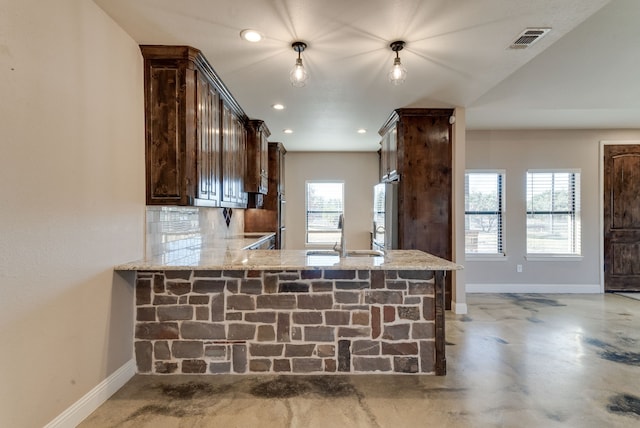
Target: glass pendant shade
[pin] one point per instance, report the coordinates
(398, 73)
(298, 75)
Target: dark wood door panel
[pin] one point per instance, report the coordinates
(163, 154)
(622, 217)
(624, 260)
(625, 191)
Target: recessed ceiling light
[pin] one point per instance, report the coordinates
(278, 107)
(288, 131)
(362, 131)
(251, 35)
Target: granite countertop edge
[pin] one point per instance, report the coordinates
(234, 259)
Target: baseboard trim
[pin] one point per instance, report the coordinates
(94, 398)
(534, 288)
(458, 308)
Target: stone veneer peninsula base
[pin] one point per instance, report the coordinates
(351, 317)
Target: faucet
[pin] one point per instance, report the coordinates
(342, 249)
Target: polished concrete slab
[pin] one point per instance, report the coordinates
(513, 361)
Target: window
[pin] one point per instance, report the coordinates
(484, 212)
(553, 212)
(325, 203)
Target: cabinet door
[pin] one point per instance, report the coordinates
(227, 154)
(389, 149)
(264, 161)
(392, 154)
(256, 177)
(384, 158)
(389, 155)
(240, 161)
(233, 159)
(208, 137)
(276, 178)
(166, 152)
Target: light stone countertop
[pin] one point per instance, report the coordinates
(235, 259)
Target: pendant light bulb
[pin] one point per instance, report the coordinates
(298, 75)
(398, 73)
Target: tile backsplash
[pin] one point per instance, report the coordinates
(174, 229)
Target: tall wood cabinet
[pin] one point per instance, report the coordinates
(417, 152)
(272, 217)
(275, 199)
(195, 131)
(257, 177)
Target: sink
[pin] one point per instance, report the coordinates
(365, 253)
(321, 253)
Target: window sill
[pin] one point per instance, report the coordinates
(472, 257)
(552, 258)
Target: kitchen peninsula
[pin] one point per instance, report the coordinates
(214, 310)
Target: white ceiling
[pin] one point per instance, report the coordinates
(583, 74)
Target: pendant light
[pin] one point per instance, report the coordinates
(398, 73)
(298, 75)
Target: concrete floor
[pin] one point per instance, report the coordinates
(513, 361)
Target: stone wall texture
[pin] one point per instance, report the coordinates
(309, 321)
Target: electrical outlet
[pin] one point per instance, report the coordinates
(519, 268)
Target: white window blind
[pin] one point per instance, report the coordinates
(325, 203)
(553, 212)
(484, 212)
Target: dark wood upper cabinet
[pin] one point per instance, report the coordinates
(208, 142)
(234, 140)
(275, 199)
(271, 217)
(195, 132)
(257, 176)
(170, 172)
(389, 151)
(279, 163)
(417, 152)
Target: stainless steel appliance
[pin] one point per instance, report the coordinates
(385, 216)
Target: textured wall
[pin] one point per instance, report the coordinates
(72, 190)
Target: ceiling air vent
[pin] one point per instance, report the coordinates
(528, 37)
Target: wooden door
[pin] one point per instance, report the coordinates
(622, 217)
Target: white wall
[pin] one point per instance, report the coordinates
(515, 152)
(72, 192)
(358, 170)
